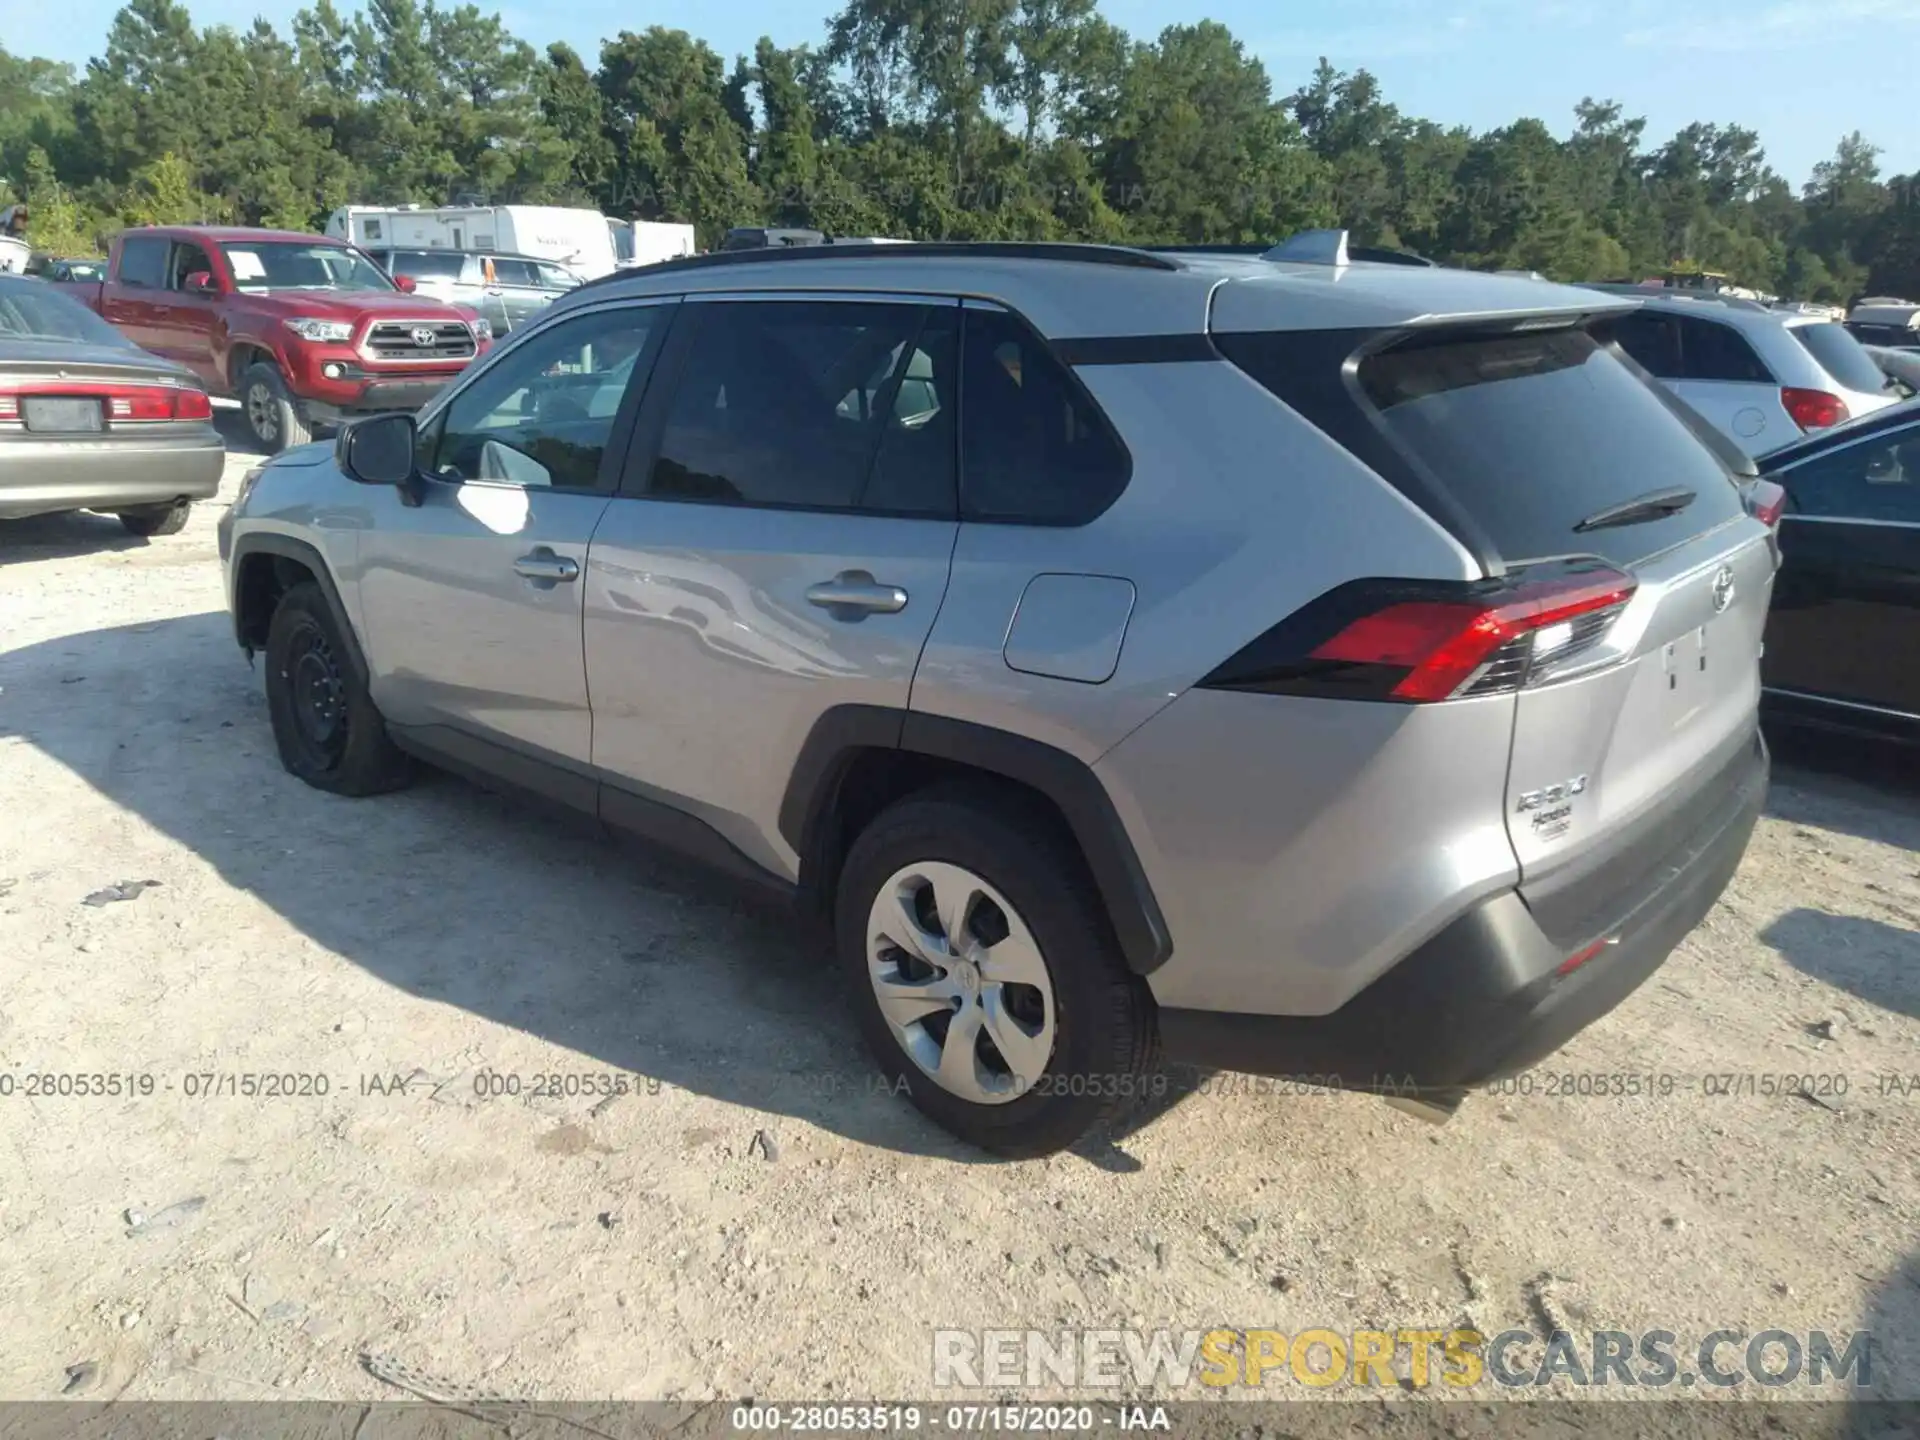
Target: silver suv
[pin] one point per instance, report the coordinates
(509, 290)
(1334, 670)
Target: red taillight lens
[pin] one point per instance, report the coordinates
(1580, 957)
(1443, 647)
(1424, 641)
(1813, 409)
(119, 403)
(1765, 501)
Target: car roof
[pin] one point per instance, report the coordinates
(1073, 290)
(1893, 417)
(232, 234)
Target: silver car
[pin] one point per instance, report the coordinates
(509, 290)
(89, 421)
(1329, 669)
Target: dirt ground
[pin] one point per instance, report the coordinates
(752, 1218)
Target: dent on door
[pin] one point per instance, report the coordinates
(1070, 627)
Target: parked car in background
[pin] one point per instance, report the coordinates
(582, 240)
(1886, 321)
(88, 421)
(302, 330)
(1902, 365)
(1760, 377)
(79, 271)
(1843, 638)
(1274, 661)
(508, 290)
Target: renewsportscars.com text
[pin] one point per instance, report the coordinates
(1462, 1359)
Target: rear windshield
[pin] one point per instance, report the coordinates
(1840, 356)
(1533, 433)
(31, 310)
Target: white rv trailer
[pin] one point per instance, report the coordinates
(647, 242)
(577, 239)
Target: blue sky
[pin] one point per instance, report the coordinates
(1800, 72)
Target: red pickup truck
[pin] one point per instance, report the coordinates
(302, 330)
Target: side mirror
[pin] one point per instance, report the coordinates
(200, 282)
(406, 284)
(377, 450)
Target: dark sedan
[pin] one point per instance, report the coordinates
(89, 421)
(1843, 639)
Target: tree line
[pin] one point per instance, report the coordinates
(920, 119)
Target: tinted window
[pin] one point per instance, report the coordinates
(1718, 352)
(1034, 449)
(30, 310)
(1652, 340)
(1533, 433)
(543, 414)
(143, 261)
(1840, 356)
(1877, 479)
(801, 403)
(427, 264)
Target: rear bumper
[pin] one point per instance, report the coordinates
(49, 476)
(1481, 1000)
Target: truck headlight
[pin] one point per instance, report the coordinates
(482, 328)
(309, 327)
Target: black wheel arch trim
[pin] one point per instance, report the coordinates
(843, 732)
(308, 558)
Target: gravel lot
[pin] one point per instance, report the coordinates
(754, 1220)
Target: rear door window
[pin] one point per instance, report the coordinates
(143, 261)
(1534, 432)
(1840, 355)
(1711, 351)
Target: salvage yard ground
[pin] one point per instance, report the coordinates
(752, 1218)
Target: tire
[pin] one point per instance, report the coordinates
(273, 420)
(1015, 856)
(324, 724)
(150, 520)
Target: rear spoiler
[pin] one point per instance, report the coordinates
(1309, 247)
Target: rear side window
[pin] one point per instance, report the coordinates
(1532, 433)
(1840, 355)
(819, 405)
(143, 261)
(427, 265)
(1652, 340)
(1709, 351)
(1034, 448)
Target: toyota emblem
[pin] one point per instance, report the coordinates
(423, 337)
(1722, 589)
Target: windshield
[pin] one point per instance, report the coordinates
(288, 265)
(1841, 356)
(29, 310)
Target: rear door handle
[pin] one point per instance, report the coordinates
(543, 564)
(857, 590)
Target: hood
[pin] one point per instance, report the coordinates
(355, 305)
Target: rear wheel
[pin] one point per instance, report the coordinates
(986, 977)
(169, 519)
(273, 419)
(324, 723)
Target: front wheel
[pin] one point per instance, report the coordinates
(324, 723)
(149, 520)
(273, 420)
(986, 976)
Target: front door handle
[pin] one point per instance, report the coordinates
(543, 564)
(857, 590)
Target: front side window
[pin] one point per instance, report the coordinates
(1877, 479)
(543, 414)
(815, 405)
(187, 260)
(1034, 449)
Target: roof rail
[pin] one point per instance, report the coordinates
(1118, 255)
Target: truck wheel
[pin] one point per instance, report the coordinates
(273, 420)
(168, 519)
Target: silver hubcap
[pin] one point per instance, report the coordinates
(263, 412)
(961, 982)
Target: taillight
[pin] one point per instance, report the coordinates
(1418, 641)
(1813, 409)
(119, 403)
(1765, 500)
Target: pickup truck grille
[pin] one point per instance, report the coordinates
(401, 340)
